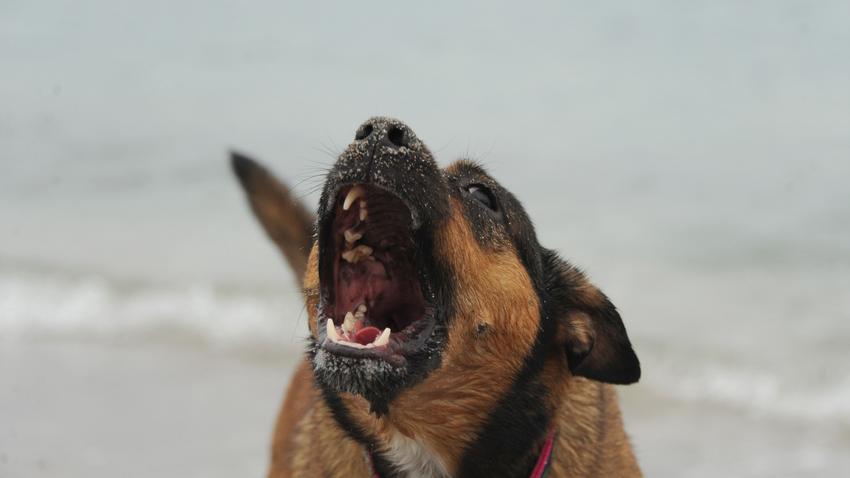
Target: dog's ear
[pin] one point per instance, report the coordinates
(284, 217)
(589, 327)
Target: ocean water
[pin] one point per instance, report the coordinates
(694, 160)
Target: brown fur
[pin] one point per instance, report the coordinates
(497, 314)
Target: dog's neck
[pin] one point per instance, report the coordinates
(589, 440)
(441, 428)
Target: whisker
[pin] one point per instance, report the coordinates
(301, 314)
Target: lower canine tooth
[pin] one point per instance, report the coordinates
(363, 212)
(331, 332)
(383, 339)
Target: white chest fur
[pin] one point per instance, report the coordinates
(413, 458)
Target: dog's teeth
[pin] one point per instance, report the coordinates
(363, 212)
(361, 308)
(383, 339)
(348, 323)
(359, 252)
(352, 196)
(351, 237)
(332, 334)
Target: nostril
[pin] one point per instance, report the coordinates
(363, 132)
(396, 136)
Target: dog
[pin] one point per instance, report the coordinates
(444, 340)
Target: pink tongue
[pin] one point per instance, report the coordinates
(366, 335)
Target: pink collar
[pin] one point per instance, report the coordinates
(539, 470)
(545, 457)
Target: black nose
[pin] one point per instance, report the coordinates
(386, 131)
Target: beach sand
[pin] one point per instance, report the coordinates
(88, 410)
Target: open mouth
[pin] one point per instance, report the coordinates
(374, 292)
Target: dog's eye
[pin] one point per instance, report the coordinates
(483, 195)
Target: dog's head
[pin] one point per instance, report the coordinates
(416, 271)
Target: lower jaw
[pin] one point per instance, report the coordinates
(379, 380)
(408, 342)
(391, 358)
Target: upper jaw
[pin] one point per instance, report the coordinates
(375, 299)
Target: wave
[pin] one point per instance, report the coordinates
(58, 304)
(756, 392)
(39, 303)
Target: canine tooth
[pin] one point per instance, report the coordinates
(331, 331)
(384, 338)
(363, 212)
(348, 323)
(351, 237)
(352, 195)
(361, 308)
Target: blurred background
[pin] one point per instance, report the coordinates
(693, 157)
